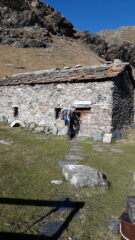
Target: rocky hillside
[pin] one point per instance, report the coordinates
(30, 23)
(121, 43)
(119, 35)
(63, 52)
(33, 36)
(110, 45)
(34, 24)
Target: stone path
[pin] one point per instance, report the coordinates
(41, 137)
(75, 155)
(97, 148)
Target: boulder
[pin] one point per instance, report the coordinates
(53, 129)
(61, 128)
(47, 130)
(84, 176)
(38, 129)
(27, 125)
(31, 126)
(17, 123)
(3, 119)
(117, 134)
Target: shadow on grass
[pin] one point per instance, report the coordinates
(74, 206)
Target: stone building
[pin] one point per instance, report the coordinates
(103, 96)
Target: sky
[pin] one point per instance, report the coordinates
(96, 15)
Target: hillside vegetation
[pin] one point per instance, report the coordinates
(63, 52)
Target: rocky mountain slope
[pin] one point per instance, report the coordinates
(34, 24)
(121, 43)
(63, 52)
(30, 23)
(120, 35)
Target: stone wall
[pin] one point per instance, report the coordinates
(37, 103)
(123, 101)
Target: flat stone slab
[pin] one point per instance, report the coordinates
(107, 138)
(6, 142)
(99, 149)
(90, 142)
(79, 153)
(57, 182)
(76, 236)
(117, 150)
(77, 150)
(62, 209)
(77, 147)
(84, 176)
(48, 229)
(114, 225)
(64, 163)
(74, 157)
(41, 137)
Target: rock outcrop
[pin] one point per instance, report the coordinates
(94, 43)
(120, 35)
(123, 50)
(30, 23)
(120, 44)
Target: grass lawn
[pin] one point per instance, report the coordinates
(28, 165)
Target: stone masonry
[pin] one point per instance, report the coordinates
(105, 91)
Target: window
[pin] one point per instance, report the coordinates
(15, 111)
(57, 113)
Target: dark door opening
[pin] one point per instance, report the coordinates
(16, 112)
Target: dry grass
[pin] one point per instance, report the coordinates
(28, 166)
(63, 52)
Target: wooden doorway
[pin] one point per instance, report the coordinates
(84, 114)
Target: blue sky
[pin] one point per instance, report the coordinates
(96, 15)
